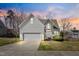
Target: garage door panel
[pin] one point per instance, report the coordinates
(32, 36)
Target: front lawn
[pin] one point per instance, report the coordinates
(59, 46)
(4, 41)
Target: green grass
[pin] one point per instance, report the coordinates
(59, 46)
(4, 41)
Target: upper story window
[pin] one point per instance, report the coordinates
(56, 33)
(48, 26)
(31, 20)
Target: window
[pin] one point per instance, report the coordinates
(31, 20)
(56, 33)
(48, 26)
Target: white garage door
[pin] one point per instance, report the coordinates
(32, 36)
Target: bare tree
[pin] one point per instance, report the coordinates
(66, 26)
(13, 20)
(10, 19)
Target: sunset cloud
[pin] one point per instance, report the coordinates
(50, 11)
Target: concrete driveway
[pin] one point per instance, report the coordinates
(20, 48)
(29, 48)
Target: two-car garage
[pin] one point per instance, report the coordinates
(32, 36)
(31, 41)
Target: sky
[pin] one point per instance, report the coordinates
(28, 7)
(36, 6)
(56, 10)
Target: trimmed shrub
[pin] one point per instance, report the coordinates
(48, 39)
(57, 38)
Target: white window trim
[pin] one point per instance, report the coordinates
(48, 26)
(31, 20)
(56, 32)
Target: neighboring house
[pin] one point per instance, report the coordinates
(12, 26)
(37, 29)
(2, 25)
(9, 22)
(6, 27)
(2, 29)
(2, 18)
(5, 31)
(74, 34)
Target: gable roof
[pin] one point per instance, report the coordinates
(43, 21)
(52, 21)
(26, 21)
(55, 23)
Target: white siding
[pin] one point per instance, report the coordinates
(36, 27)
(2, 18)
(21, 36)
(48, 30)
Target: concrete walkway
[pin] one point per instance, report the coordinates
(30, 48)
